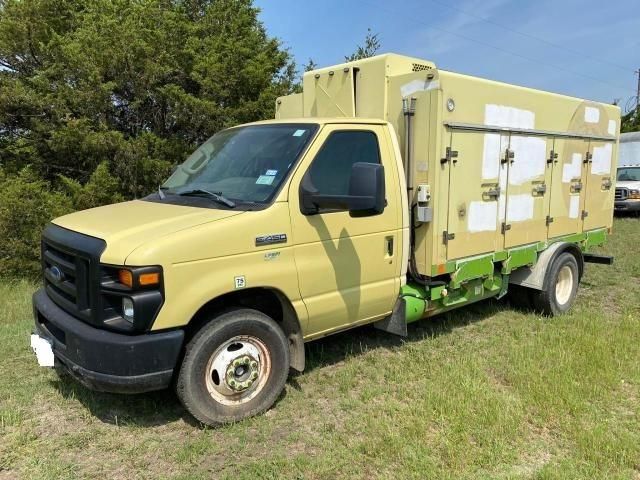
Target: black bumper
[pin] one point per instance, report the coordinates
(627, 206)
(103, 360)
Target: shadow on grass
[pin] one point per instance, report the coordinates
(145, 410)
(163, 407)
(338, 347)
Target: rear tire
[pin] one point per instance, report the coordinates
(234, 367)
(560, 286)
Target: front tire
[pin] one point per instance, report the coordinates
(560, 286)
(234, 367)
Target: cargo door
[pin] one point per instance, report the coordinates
(567, 192)
(527, 197)
(473, 163)
(597, 207)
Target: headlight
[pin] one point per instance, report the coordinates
(127, 309)
(634, 194)
(131, 297)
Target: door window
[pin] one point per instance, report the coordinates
(330, 171)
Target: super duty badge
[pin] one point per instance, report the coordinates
(271, 239)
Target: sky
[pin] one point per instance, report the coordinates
(584, 48)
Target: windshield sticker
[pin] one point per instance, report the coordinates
(299, 133)
(271, 172)
(265, 180)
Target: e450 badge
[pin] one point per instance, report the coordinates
(271, 239)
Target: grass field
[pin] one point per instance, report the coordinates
(484, 392)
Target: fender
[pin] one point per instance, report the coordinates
(533, 277)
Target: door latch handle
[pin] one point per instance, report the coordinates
(389, 246)
(606, 184)
(540, 189)
(576, 187)
(492, 193)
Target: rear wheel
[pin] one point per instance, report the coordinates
(234, 367)
(560, 286)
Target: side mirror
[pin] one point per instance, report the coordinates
(366, 193)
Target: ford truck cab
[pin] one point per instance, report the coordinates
(282, 230)
(628, 189)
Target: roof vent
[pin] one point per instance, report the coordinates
(420, 67)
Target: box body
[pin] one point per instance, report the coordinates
(505, 166)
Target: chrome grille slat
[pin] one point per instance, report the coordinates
(622, 193)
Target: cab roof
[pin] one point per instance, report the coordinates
(322, 121)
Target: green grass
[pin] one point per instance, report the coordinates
(483, 392)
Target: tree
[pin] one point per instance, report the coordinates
(630, 122)
(133, 84)
(370, 48)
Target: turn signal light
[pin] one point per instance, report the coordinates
(149, 278)
(125, 277)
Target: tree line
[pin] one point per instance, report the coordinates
(100, 98)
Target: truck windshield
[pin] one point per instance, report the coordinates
(242, 165)
(629, 174)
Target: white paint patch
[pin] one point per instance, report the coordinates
(529, 160)
(491, 156)
(520, 208)
(601, 164)
(418, 86)
(504, 116)
(591, 115)
(482, 216)
(613, 127)
(574, 206)
(572, 170)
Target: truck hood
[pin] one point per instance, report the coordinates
(634, 185)
(125, 226)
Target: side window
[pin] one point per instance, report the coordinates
(330, 171)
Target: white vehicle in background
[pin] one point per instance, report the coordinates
(627, 197)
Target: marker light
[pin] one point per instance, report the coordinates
(125, 277)
(149, 278)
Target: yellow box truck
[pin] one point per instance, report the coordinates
(386, 192)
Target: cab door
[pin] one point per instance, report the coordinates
(348, 266)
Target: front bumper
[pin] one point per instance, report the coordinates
(627, 206)
(103, 360)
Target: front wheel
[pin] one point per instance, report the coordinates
(560, 286)
(234, 367)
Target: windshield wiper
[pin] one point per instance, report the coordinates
(215, 196)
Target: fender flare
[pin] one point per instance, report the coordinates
(535, 276)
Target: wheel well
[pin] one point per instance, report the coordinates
(271, 302)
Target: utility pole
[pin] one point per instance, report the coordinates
(638, 94)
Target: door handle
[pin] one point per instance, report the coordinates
(388, 243)
(606, 184)
(492, 193)
(540, 189)
(576, 187)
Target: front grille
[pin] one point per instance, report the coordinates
(622, 193)
(65, 279)
(71, 271)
